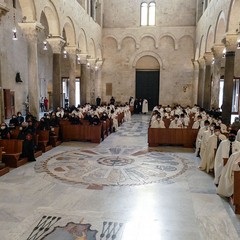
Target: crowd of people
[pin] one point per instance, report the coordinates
(139, 105)
(215, 143)
(28, 125)
(215, 140)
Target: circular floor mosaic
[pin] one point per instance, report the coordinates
(113, 166)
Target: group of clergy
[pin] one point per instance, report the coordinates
(216, 143)
(219, 151)
(182, 117)
(102, 112)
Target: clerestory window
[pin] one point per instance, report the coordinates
(148, 14)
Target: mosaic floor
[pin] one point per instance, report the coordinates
(113, 166)
(116, 190)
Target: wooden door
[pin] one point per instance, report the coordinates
(147, 86)
(7, 103)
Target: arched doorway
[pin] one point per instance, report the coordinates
(147, 80)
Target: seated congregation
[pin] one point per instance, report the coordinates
(217, 145)
(25, 138)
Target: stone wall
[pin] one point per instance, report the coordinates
(82, 32)
(171, 42)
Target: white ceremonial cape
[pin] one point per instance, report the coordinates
(199, 138)
(223, 152)
(158, 124)
(145, 106)
(226, 182)
(207, 160)
(205, 136)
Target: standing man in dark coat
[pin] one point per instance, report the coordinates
(98, 101)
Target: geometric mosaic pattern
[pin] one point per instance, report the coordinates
(133, 129)
(114, 166)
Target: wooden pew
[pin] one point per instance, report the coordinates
(106, 128)
(3, 168)
(235, 199)
(81, 132)
(179, 136)
(54, 137)
(13, 150)
(43, 140)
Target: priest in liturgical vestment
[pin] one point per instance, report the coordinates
(226, 182)
(225, 150)
(207, 160)
(145, 106)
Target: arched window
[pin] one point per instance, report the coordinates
(144, 14)
(151, 13)
(148, 14)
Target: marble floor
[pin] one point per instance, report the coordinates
(119, 189)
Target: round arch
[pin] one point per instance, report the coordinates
(28, 10)
(92, 48)
(128, 36)
(52, 19)
(99, 52)
(220, 28)
(201, 47)
(149, 36)
(209, 40)
(70, 32)
(233, 17)
(134, 59)
(171, 36)
(82, 41)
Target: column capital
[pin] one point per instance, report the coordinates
(3, 9)
(208, 57)
(72, 50)
(195, 63)
(201, 62)
(56, 43)
(230, 42)
(217, 50)
(84, 57)
(31, 30)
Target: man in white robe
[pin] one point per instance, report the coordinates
(176, 123)
(145, 106)
(224, 152)
(158, 123)
(198, 123)
(199, 137)
(226, 181)
(206, 135)
(207, 159)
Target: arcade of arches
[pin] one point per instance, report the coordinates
(73, 51)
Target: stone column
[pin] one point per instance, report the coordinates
(56, 44)
(31, 32)
(84, 78)
(218, 56)
(195, 81)
(207, 84)
(92, 81)
(83, 83)
(230, 44)
(201, 75)
(3, 12)
(72, 74)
